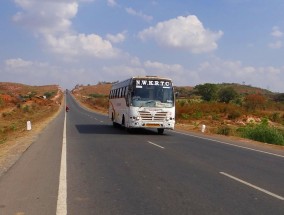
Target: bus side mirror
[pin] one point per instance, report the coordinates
(176, 94)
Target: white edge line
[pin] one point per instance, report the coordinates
(253, 186)
(230, 144)
(156, 144)
(62, 189)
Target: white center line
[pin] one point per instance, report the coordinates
(156, 144)
(62, 189)
(253, 186)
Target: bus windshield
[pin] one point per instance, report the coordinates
(153, 96)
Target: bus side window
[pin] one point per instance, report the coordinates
(122, 92)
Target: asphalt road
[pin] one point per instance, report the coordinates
(86, 166)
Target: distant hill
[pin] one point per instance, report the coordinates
(183, 91)
(15, 93)
(246, 89)
(186, 91)
(101, 89)
(17, 88)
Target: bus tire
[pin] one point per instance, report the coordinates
(123, 121)
(160, 130)
(129, 130)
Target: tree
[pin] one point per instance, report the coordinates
(227, 94)
(279, 97)
(207, 91)
(254, 101)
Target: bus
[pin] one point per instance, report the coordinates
(143, 102)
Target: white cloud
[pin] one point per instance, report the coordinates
(276, 32)
(82, 45)
(17, 63)
(218, 70)
(112, 3)
(118, 38)
(136, 68)
(133, 12)
(157, 66)
(277, 35)
(46, 17)
(29, 72)
(275, 45)
(51, 21)
(183, 33)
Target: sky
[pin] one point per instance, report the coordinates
(70, 42)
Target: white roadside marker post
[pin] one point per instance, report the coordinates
(203, 128)
(29, 125)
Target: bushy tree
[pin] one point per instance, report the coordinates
(279, 97)
(209, 92)
(227, 94)
(254, 101)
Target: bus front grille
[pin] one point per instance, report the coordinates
(156, 116)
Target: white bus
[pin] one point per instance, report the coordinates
(143, 102)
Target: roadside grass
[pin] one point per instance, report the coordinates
(263, 132)
(13, 123)
(26, 103)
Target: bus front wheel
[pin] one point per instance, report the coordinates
(160, 130)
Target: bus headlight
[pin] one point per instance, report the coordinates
(169, 117)
(135, 117)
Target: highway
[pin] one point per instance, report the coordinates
(82, 165)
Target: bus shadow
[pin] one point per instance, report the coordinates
(109, 129)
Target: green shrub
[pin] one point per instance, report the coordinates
(26, 109)
(49, 94)
(13, 127)
(234, 114)
(275, 117)
(263, 133)
(215, 116)
(95, 95)
(185, 116)
(197, 115)
(224, 130)
(2, 141)
(182, 102)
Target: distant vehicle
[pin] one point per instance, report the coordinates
(143, 102)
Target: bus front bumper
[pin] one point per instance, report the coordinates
(152, 124)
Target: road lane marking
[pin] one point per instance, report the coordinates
(253, 186)
(156, 144)
(230, 144)
(62, 189)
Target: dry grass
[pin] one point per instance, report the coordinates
(94, 97)
(21, 103)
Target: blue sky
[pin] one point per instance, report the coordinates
(69, 42)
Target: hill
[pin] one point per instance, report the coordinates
(187, 91)
(99, 89)
(20, 103)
